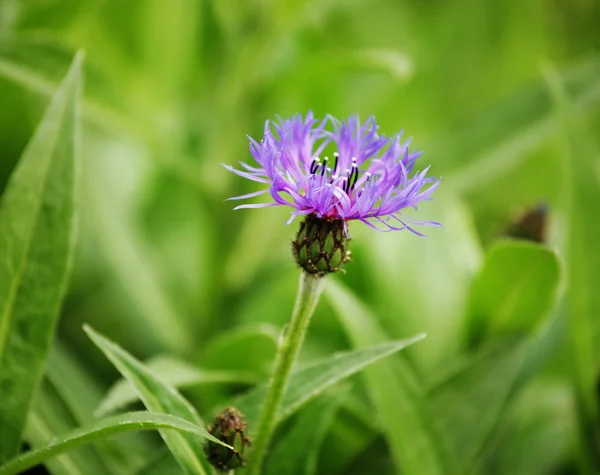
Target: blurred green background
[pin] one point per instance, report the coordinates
(502, 96)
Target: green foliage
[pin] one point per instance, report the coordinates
(36, 244)
(504, 99)
(514, 291)
(583, 263)
(308, 432)
(174, 372)
(133, 421)
(161, 398)
(307, 383)
(396, 395)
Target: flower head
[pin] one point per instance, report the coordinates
(369, 177)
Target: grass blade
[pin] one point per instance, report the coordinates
(583, 264)
(511, 297)
(133, 421)
(175, 372)
(36, 244)
(80, 393)
(161, 398)
(49, 416)
(307, 383)
(406, 422)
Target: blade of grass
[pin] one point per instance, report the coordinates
(409, 429)
(81, 394)
(175, 372)
(133, 421)
(161, 398)
(582, 182)
(36, 245)
(310, 381)
(49, 416)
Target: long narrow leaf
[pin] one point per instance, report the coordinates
(49, 416)
(80, 393)
(583, 261)
(407, 424)
(36, 242)
(311, 381)
(133, 421)
(161, 398)
(175, 372)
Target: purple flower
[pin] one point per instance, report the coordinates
(369, 177)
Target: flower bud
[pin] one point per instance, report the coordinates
(321, 245)
(229, 427)
(530, 225)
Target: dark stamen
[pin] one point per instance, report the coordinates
(337, 157)
(324, 167)
(314, 166)
(354, 176)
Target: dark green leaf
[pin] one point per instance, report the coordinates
(307, 433)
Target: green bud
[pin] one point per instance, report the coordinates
(229, 427)
(321, 245)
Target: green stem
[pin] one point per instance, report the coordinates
(309, 290)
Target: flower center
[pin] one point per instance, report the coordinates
(346, 181)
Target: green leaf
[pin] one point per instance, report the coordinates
(471, 403)
(36, 244)
(512, 295)
(447, 261)
(308, 433)
(307, 383)
(174, 372)
(543, 421)
(81, 394)
(406, 422)
(49, 416)
(582, 182)
(514, 291)
(133, 421)
(159, 397)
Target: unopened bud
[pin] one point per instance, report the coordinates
(229, 427)
(530, 225)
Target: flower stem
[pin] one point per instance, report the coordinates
(309, 290)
